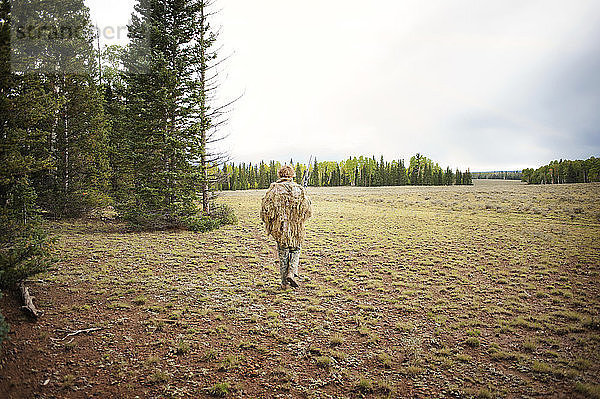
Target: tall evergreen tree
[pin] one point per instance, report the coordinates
(415, 168)
(23, 137)
(263, 176)
(314, 175)
(56, 65)
(173, 121)
(119, 145)
(298, 173)
(458, 177)
(448, 177)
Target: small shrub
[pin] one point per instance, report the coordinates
(447, 363)
(70, 346)
(140, 300)
(247, 345)
(178, 215)
(272, 315)
(485, 393)
(282, 374)
(230, 362)
(472, 341)
(385, 360)
(364, 385)
(150, 361)
(545, 368)
(581, 364)
(209, 355)
(338, 355)
(158, 377)
(68, 381)
(529, 345)
(592, 323)
(384, 387)
(590, 390)
(324, 361)
(312, 309)
(220, 215)
(336, 340)
(462, 357)
(182, 347)
(315, 350)
(24, 248)
(444, 352)
(219, 390)
(502, 355)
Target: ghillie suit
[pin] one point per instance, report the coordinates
(285, 208)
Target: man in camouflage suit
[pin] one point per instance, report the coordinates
(285, 208)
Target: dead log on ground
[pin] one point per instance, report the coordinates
(28, 301)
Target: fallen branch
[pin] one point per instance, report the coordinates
(28, 300)
(36, 281)
(87, 330)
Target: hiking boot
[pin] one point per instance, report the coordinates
(292, 281)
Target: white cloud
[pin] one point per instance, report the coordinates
(464, 82)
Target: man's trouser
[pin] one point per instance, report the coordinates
(289, 258)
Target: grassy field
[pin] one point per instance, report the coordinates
(483, 291)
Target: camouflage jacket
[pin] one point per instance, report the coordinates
(285, 208)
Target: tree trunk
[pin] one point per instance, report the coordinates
(203, 124)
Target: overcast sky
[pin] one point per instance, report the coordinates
(484, 84)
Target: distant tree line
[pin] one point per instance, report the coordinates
(564, 171)
(500, 175)
(355, 171)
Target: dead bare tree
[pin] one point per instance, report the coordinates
(212, 115)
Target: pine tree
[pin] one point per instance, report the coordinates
(225, 183)
(571, 173)
(415, 174)
(467, 178)
(23, 134)
(233, 182)
(272, 172)
(263, 176)
(119, 145)
(172, 118)
(60, 75)
(314, 175)
(458, 178)
(298, 173)
(439, 176)
(448, 177)
(403, 176)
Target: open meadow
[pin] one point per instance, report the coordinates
(489, 290)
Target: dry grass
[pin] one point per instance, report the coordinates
(435, 290)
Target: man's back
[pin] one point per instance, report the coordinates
(285, 208)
